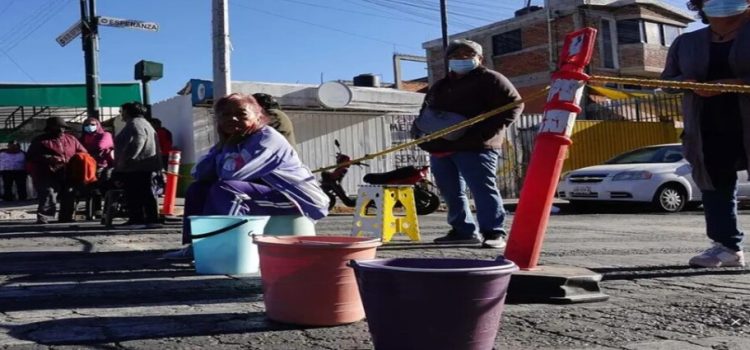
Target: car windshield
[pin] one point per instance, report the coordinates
(661, 154)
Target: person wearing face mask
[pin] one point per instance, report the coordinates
(716, 137)
(47, 156)
(100, 145)
(469, 90)
(252, 170)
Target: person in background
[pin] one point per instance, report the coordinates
(277, 119)
(47, 157)
(13, 168)
(100, 145)
(470, 89)
(252, 170)
(716, 136)
(137, 157)
(165, 141)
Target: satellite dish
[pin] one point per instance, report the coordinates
(334, 95)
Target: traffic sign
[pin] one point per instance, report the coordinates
(67, 36)
(127, 23)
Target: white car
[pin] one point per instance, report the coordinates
(655, 174)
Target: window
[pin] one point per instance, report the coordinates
(629, 31)
(608, 59)
(652, 32)
(507, 42)
(632, 31)
(669, 34)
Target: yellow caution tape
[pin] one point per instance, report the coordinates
(656, 83)
(443, 132)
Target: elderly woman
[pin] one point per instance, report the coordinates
(253, 170)
(716, 139)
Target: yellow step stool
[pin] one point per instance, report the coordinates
(384, 223)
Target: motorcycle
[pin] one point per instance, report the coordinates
(425, 199)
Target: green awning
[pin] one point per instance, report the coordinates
(67, 95)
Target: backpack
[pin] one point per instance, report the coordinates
(81, 169)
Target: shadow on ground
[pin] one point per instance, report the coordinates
(92, 330)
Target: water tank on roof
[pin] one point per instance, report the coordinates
(527, 10)
(367, 80)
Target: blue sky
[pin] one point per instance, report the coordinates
(273, 40)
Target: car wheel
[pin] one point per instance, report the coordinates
(670, 198)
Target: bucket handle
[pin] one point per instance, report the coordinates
(221, 230)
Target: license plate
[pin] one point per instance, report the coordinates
(582, 190)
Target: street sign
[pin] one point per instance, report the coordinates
(127, 23)
(67, 36)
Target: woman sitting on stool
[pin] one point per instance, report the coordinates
(253, 170)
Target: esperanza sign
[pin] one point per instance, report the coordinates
(128, 23)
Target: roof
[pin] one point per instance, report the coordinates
(560, 6)
(305, 96)
(67, 95)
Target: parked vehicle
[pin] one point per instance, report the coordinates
(426, 199)
(658, 174)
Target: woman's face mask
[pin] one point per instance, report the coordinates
(724, 8)
(89, 128)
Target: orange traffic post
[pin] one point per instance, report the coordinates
(170, 187)
(538, 191)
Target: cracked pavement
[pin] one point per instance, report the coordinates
(82, 286)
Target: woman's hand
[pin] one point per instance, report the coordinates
(706, 93)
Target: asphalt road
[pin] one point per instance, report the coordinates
(65, 287)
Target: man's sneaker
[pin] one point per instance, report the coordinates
(719, 256)
(454, 238)
(182, 254)
(497, 242)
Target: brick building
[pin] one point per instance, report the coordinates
(634, 37)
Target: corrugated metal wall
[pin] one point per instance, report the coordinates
(358, 133)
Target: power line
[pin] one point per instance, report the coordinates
(357, 12)
(21, 30)
(17, 65)
(41, 23)
(324, 27)
(10, 3)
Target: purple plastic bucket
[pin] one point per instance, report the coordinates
(433, 303)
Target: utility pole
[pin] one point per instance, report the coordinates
(221, 60)
(444, 27)
(90, 39)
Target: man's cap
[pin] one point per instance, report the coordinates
(459, 43)
(266, 101)
(56, 121)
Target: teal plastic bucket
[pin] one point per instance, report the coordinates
(223, 245)
(289, 225)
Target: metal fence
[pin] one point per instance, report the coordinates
(652, 108)
(514, 158)
(519, 137)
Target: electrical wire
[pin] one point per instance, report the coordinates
(324, 26)
(357, 12)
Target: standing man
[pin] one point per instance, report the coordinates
(13, 167)
(277, 119)
(471, 89)
(49, 153)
